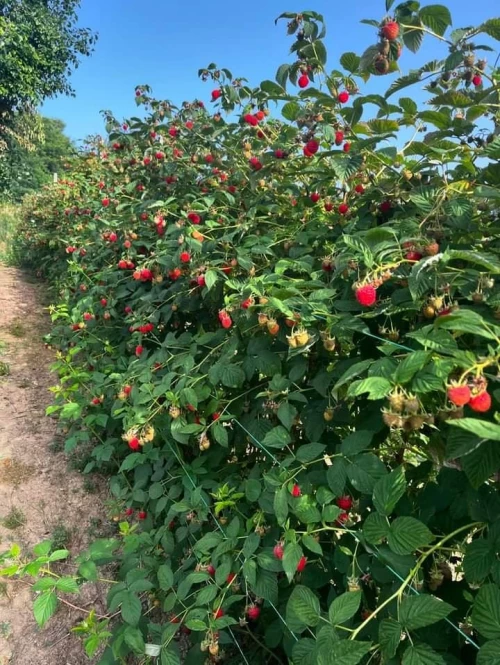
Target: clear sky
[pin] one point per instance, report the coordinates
(164, 42)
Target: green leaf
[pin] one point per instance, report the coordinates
(165, 577)
(406, 534)
(436, 17)
(424, 610)
(375, 528)
(410, 366)
(253, 489)
(88, 570)
(278, 437)
(211, 277)
(481, 463)
(478, 560)
(344, 607)
(350, 62)
(59, 555)
(303, 652)
(286, 414)
(134, 639)
(281, 505)
(336, 476)
(309, 451)
(364, 472)
(486, 612)
(44, 607)
(208, 542)
(170, 655)
(303, 605)
(481, 428)
(232, 376)
(356, 442)
(376, 387)
(389, 636)
(421, 654)
(465, 321)
(131, 608)
(347, 652)
(489, 653)
(67, 585)
(291, 558)
(290, 111)
(311, 544)
(389, 490)
(492, 28)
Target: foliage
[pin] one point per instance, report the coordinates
(40, 45)
(270, 332)
(26, 168)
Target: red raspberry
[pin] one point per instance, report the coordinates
(413, 256)
(210, 570)
(390, 30)
(260, 115)
(226, 322)
(105, 202)
(347, 147)
(113, 237)
(173, 131)
(312, 146)
(303, 81)
(296, 491)
(359, 189)
(385, 206)
(209, 158)
(218, 613)
(129, 511)
(134, 444)
(189, 124)
(253, 612)
(279, 154)
(477, 80)
(342, 518)
(343, 97)
(315, 197)
(344, 502)
(200, 280)
(278, 551)
(122, 264)
(481, 403)
(95, 401)
(459, 394)
(343, 209)
(142, 514)
(339, 137)
(194, 218)
(138, 350)
(230, 578)
(185, 257)
(366, 295)
(175, 274)
(127, 389)
(255, 163)
(160, 155)
(215, 416)
(250, 119)
(104, 302)
(328, 206)
(216, 94)
(302, 564)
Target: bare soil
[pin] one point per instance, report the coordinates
(40, 498)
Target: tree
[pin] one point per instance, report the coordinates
(39, 47)
(25, 167)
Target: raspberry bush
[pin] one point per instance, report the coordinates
(278, 332)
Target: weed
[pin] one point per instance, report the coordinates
(16, 329)
(61, 536)
(4, 369)
(14, 519)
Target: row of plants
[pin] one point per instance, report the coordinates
(277, 329)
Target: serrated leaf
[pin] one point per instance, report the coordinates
(291, 558)
(375, 528)
(486, 612)
(44, 607)
(407, 534)
(134, 639)
(424, 610)
(421, 654)
(336, 476)
(481, 428)
(281, 505)
(165, 577)
(131, 608)
(344, 607)
(347, 652)
(350, 62)
(376, 387)
(478, 560)
(436, 17)
(303, 605)
(303, 652)
(492, 28)
(290, 111)
(481, 463)
(389, 490)
(489, 653)
(389, 636)
(278, 437)
(232, 376)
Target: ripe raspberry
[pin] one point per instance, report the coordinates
(189, 124)
(390, 30)
(218, 613)
(255, 163)
(253, 612)
(315, 197)
(209, 159)
(210, 570)
(250, 119)
(129, 511)
(226, 322)
(105, 203)
(127, 389)
(385, 207)
(194, 218)
(413, 256)
(296, 491)
(481, 403)
(104, 302)
(95, 401)
(343, 209)
(342, 518)
(138, 350)
(343, 97)
(216, 94)
(113, 237)
(200, 280)
(142, 514)
(459, 394)
(278, 551)
(366, 295)
(303, 81)
(344, 502)
(347, 147)
(339, 137)
(302, 564)
(328, 206)
(185, 257)
(477, 80)
(312, 146)
(359, 189)
(215, 416)
(279, 154)
(160, 155)
(260, 115)
(175, 274)
(134, 444)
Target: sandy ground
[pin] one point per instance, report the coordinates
(39, 496)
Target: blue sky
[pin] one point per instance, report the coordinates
(164, 43)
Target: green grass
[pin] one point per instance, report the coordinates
(9, 219)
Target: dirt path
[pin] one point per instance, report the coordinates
(39, 497)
